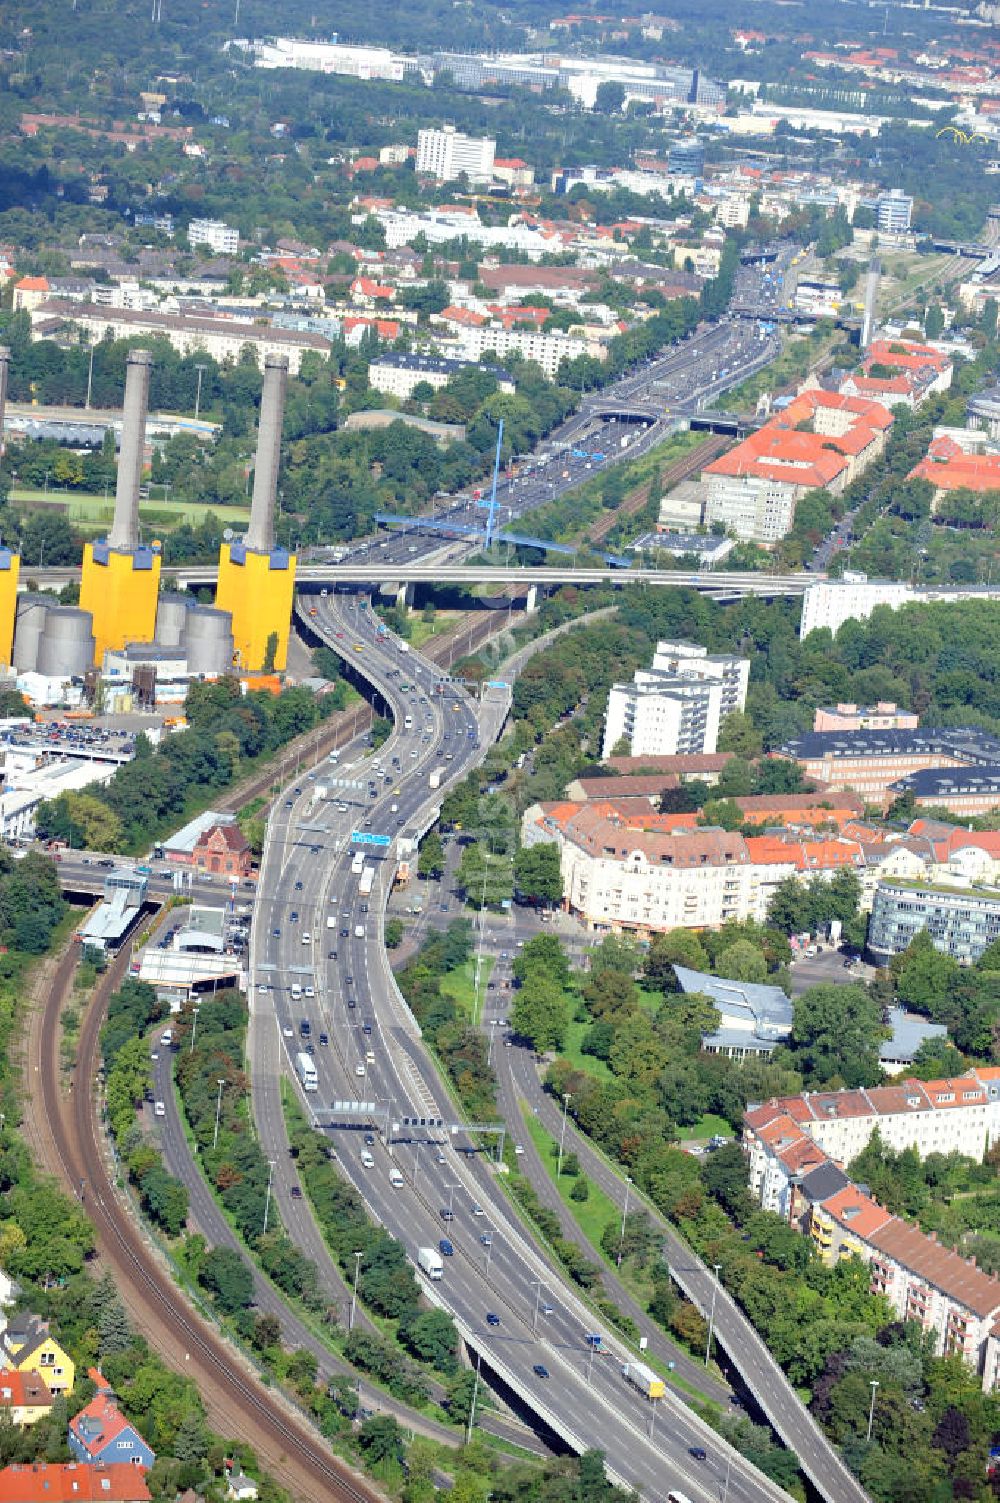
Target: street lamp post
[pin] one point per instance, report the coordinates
(871, 1411)
(621, 1239)
(90, 378)
(194, 1027)
(451, 1200)
(354, 1295)
(711, 1318)
(489, 1250)
(537, 1284)
(201, 369)
(652, 1418)
(567, 1098)
(218, 1113)
(475, 1395)
(267, 1200)
(493, 1034)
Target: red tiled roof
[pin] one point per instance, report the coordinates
(19, 1390)
(105, 1412)
(946, 1270)
(856, 1212)
(74, 1482)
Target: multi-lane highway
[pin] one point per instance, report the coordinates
(315, 929)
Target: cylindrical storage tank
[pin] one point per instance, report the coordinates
(31, 613)
(66, 646)
(208, 641)
(171, 619)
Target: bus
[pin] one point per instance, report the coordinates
(306, 1071)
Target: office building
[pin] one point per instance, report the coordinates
(885, 716)
(220, 238)
(686, 157)
(753, 1018)
(894, 210)
(676, 707)
(871, 762)
(961, 922)
(829, 603)
(821, 441)
(447, 154)
(963, 791)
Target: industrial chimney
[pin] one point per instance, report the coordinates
(260, 533)
(4, 372)
(124, 534)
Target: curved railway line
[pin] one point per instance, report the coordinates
(62, 1121)
(286, 1446)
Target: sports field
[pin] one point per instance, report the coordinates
(94, 512)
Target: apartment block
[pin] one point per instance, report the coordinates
(447, 154)
(398, 375)
(214, 234)
(619, 877)
(676, 707)
(961, 921)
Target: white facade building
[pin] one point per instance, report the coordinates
(832, 602)
(220, 238)
(676, 707)
(447, 154)
(547, 350)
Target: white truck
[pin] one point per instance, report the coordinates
(367, 881)
(358, 863)
(431, 1262)
(306, 1072)
(649, 1384)
(434, 781)
(331, 921)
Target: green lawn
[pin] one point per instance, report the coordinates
(571, 1051)
(460, 985)
(96, 511)
(706, 1127)
(422, 631)
(591, 1215)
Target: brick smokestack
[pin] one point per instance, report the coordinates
(124, 536)
(260, 533)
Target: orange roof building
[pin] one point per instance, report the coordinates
(820, 441)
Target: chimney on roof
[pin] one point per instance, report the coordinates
(260, 533)
(125, 529)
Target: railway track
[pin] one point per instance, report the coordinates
(682, 467)
(286, 1446)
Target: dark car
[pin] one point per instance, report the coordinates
(370, 1139)
(445, 1247)
(345, 933)
(447, 1215)
(492, 1318)
(698, 1452)
(324, 1039)
(295, 1193)
(540, 1370)
(276, 933)
(298, 887)
(331, 954)
(348, 980)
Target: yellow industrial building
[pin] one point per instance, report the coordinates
(120, 589)
(10, 570)
(257, 589)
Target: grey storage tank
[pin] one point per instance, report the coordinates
(171, 619)
(208, 641)
(66, 646)
(28, 628)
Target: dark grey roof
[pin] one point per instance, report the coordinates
(967, 742)
(823, 1181)
(945, 782)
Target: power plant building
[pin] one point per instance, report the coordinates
(256, 579)
(121, 580)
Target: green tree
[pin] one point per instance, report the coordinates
(541, 1012)
(739, 735)
(836, 1033)
(393, 933)
(380, 1438)
(430, 862)
(538, 873)
(226, 1276)
(270, 652)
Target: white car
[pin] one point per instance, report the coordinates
(288, 1031)
(159, 1109)
(518, 1149)
(262, 989)
(359, 1069)
(167, 1037)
